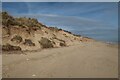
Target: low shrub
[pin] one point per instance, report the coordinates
(54, 29)
(67, 31)
(60, 29)
(59, 39)
(53, 42)
(77, 35)
(66, 36)
(17, 39)
(46, 32)
(75, 38)
(46, 43)
(62, 44)
(9, 47)
(29, 42)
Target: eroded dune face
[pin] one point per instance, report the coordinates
(29, 34)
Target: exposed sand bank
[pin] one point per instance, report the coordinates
(90, 60)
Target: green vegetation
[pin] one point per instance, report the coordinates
(29, 42)
(71, 33)
(67, 31)
(9, 21)
(46, 43)
(31, 25)
(28, 22)
(65, 35)
(9, 47)
(59, 39)
(77, 35)
(53, 42)
(46, 32)
(62, 44)
(55, 29)
(17, 39)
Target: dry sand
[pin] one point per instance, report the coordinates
(88, 59)
(0, 66)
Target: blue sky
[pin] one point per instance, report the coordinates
(98, 20)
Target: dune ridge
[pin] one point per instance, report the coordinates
(29, 34)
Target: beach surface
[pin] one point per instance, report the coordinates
(0, 66)
(84, 60)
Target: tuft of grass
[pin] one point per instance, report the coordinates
(77, 35)
(62, 44)
(53, 42)
(46, 32)
(17, 39)
(55, 29)
(29, 22)
(67, 31)
(7, 20)
(9, 47)
(75, 38)
(59, 39)
(46, 43)
(29, 42)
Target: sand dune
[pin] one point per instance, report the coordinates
(87, 59)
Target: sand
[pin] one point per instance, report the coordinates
(0, 66)
(85, 60)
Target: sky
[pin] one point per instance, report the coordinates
(60, 0)
(98, 20)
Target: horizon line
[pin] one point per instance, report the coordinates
(59, 0)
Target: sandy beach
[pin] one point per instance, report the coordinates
(84, 60)
(0, 66)
(59, 40)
